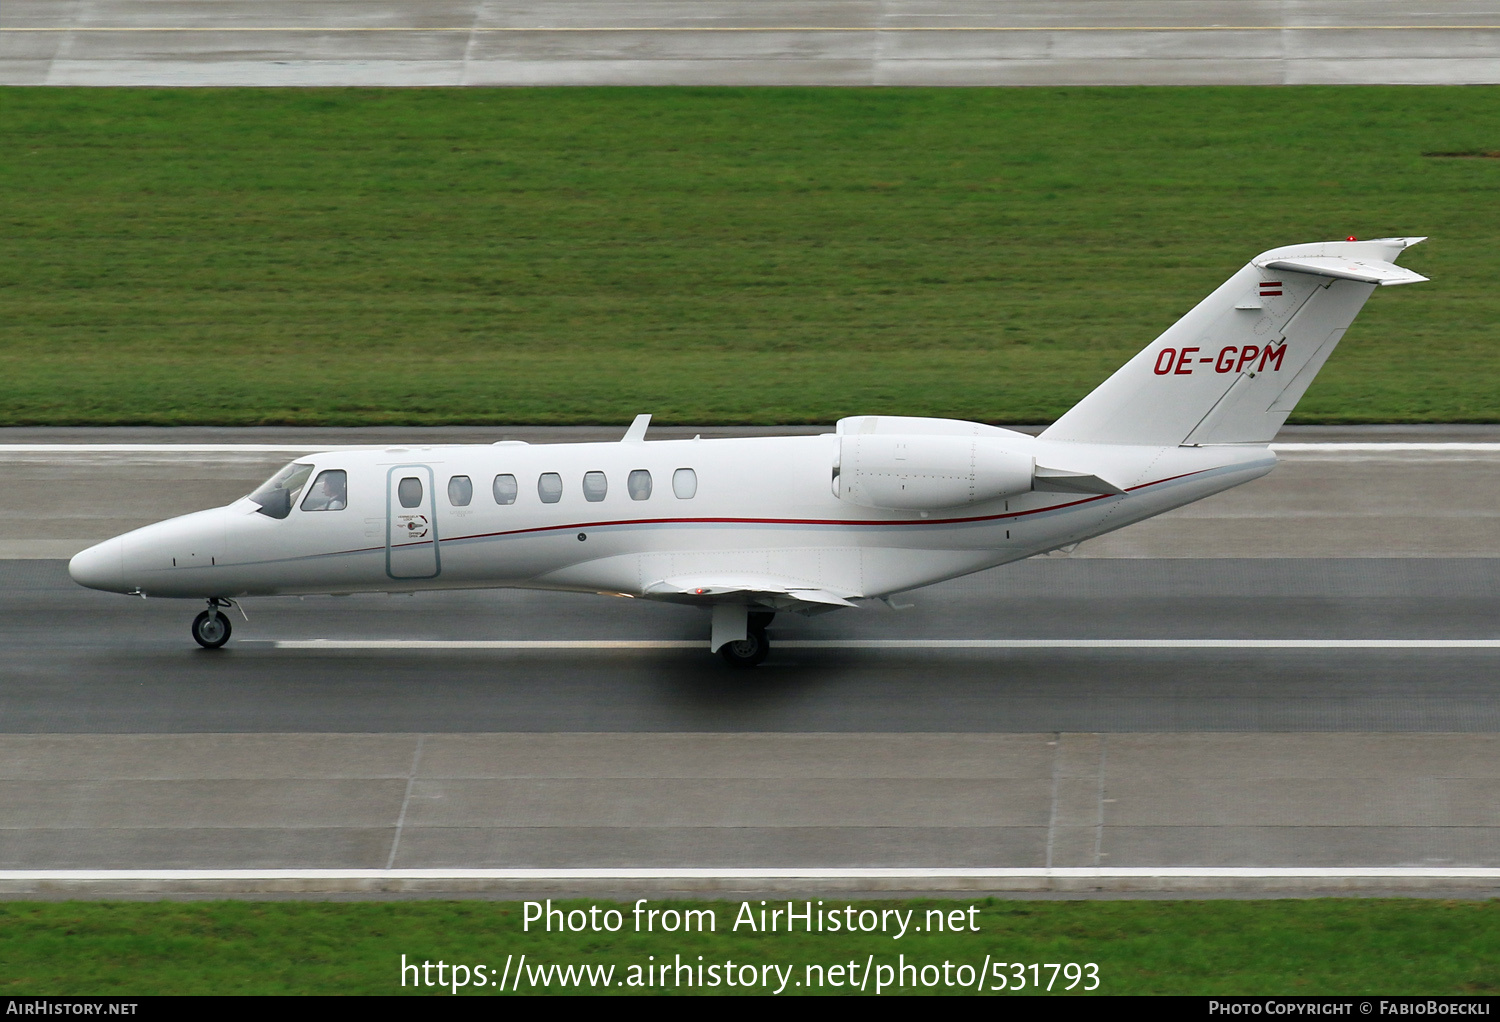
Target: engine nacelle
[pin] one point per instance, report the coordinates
(920, 473)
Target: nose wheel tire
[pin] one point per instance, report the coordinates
(211, 629)
(749, 651)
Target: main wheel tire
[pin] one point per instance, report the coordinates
(749, 651)
(211, 631)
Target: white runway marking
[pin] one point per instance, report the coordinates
(513, 29)
(1382, 448)
(897, 873)
(1290, 448)
(525, 644)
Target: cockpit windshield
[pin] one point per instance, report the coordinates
(279, 492)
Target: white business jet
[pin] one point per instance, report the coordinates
(751, 527)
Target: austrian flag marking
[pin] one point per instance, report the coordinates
(1270, 289)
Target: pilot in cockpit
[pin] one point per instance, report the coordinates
(329, 493)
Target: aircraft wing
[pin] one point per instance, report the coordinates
(773, 592)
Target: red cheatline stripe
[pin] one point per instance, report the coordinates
(581, 526)
(815, 521)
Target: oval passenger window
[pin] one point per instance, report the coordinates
(409, 492)
(460, 491)
(506, 489)
(639, 484)
(685, 483)
(595, 486)
(549, 487)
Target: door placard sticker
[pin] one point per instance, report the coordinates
(414, 526)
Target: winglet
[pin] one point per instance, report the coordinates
(637, 431)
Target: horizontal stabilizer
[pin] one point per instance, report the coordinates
(1366, 271)
(1058, 480)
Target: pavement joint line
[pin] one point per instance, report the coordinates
(1101, 771)
(411, 780)
(1350, 447)
(523, 644)
(502, 29)
(774, 873)
(1056, 743)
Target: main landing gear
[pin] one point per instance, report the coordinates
(211, 628)
(754, 647)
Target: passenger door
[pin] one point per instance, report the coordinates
(411, 536)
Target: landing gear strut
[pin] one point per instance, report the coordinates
(211, 628)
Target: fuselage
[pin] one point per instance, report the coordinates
(631, 517)
(748, 528)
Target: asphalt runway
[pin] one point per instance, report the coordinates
(85, 662)
(123, 746)
(732, 42)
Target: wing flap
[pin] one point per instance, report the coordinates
(713, 588)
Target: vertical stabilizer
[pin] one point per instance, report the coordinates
(1233, 368)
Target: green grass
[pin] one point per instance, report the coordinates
(1373, 946)
(708, 255)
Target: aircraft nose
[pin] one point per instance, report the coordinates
(101, 566)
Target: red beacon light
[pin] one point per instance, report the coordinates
(1351, 238)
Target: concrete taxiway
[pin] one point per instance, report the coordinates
(732, 801)
(732, 42)
(422, 741)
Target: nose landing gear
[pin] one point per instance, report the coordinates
(211, 628)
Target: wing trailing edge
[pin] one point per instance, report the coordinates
(718, 588)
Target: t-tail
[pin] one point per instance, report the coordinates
(1232, 369)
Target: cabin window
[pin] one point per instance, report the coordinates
(506, 489)
(685, 483)
(549, 487)
(329, 492)
(639, 484)
(409, 492)
(460, 491)
(595, 486)
(275, 497)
